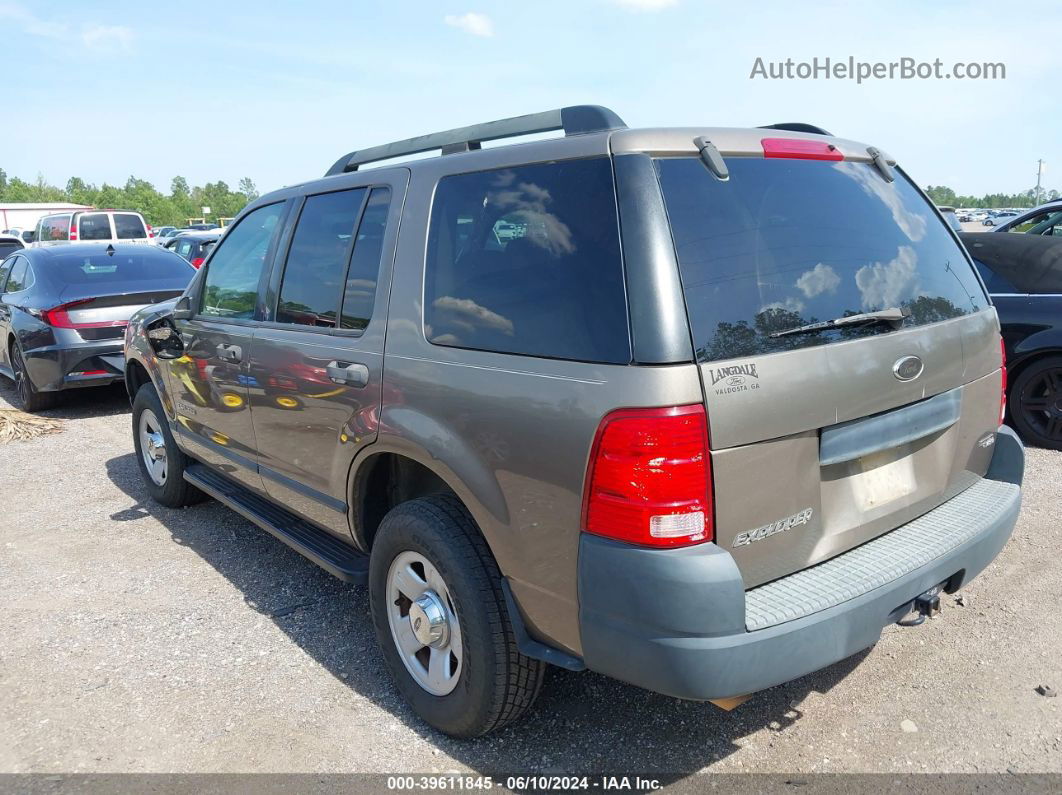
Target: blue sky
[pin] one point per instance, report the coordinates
(278, 91)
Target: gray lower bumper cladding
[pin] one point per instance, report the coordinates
(680, 622)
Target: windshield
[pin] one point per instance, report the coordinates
(784, 243)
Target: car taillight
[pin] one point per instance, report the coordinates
(150, 233)
(800, 149)
(1003, 379)
(59, 317)
(73, 229)
(649, 478)
(197, 261)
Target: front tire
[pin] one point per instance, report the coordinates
(27, 398)
(441, 620)
(1035, 402)
(161, 462)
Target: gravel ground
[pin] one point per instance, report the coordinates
(143, 639)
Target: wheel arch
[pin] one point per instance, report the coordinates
(395, 469)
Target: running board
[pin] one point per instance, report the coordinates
(310, 541)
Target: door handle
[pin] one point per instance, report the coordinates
(349, 373)
(229, 353)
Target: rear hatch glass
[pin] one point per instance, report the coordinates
(784, 243)
(95, 226)
(822, 439)
(128, 226)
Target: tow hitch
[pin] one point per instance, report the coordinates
(926, 605)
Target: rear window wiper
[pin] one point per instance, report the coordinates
(893, 317)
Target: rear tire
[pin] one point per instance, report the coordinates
(161, 461)
(492, 683)
(27, 398)
(1034, 402)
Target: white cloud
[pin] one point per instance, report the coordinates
(790, 304)
(883, 286)
(646, 5)
(476, 24)
(820, 279)
(107, 38)
(98, 38)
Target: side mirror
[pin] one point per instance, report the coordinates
(182, 310)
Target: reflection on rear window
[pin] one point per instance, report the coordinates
(128, 226)
(103, 268)
(785, 243)
(7, 247)
(95, 227)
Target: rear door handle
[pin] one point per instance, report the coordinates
(229, 353)
(349, 373)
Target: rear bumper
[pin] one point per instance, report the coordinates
(50, 368)
(674, 621)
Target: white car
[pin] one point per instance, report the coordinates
(9, 244)
(1043, 220)
(93, 226)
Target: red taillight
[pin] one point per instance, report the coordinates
(73, 230)
(800, 149)
(649, 478)
(1003, 379)
(150, 233)
(197, 261)
(90, 372)
(59, 317)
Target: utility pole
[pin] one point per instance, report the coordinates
(1039, 173)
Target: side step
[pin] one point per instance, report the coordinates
(310, 541)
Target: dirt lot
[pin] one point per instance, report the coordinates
(138, 638)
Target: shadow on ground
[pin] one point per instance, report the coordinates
(581, 723)
(76, 404)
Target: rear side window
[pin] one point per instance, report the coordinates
(5, 269)
(359, 293)
(320, 248)
(128, 226)
(21, 276)
(96, 226)
(55, 228)
(231, 284)
(526, 260)
(784, 243)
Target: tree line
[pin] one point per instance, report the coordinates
(946, 197)
(160, 209)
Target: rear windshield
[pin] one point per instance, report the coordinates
(95, 227)
(128, 226)
(784, 243)
(109, 269)
(8, 246)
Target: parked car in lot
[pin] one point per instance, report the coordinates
(10, 244)
(63, 312)
(716, 407)
(995, 219)
(1043, 220)
(1023, 273)
(194, 246)
(951, 217)
(92, 226)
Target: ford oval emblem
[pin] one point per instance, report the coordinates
(908, 368)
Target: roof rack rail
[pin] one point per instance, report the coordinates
(796, 126)
(574, 120)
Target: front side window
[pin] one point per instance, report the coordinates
(128, 226)
(313, 276)
(230, 288)
(95, 226)
(5, 269)
(785, 243)
(526, 260)
(1045, 223)
(359, 293)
